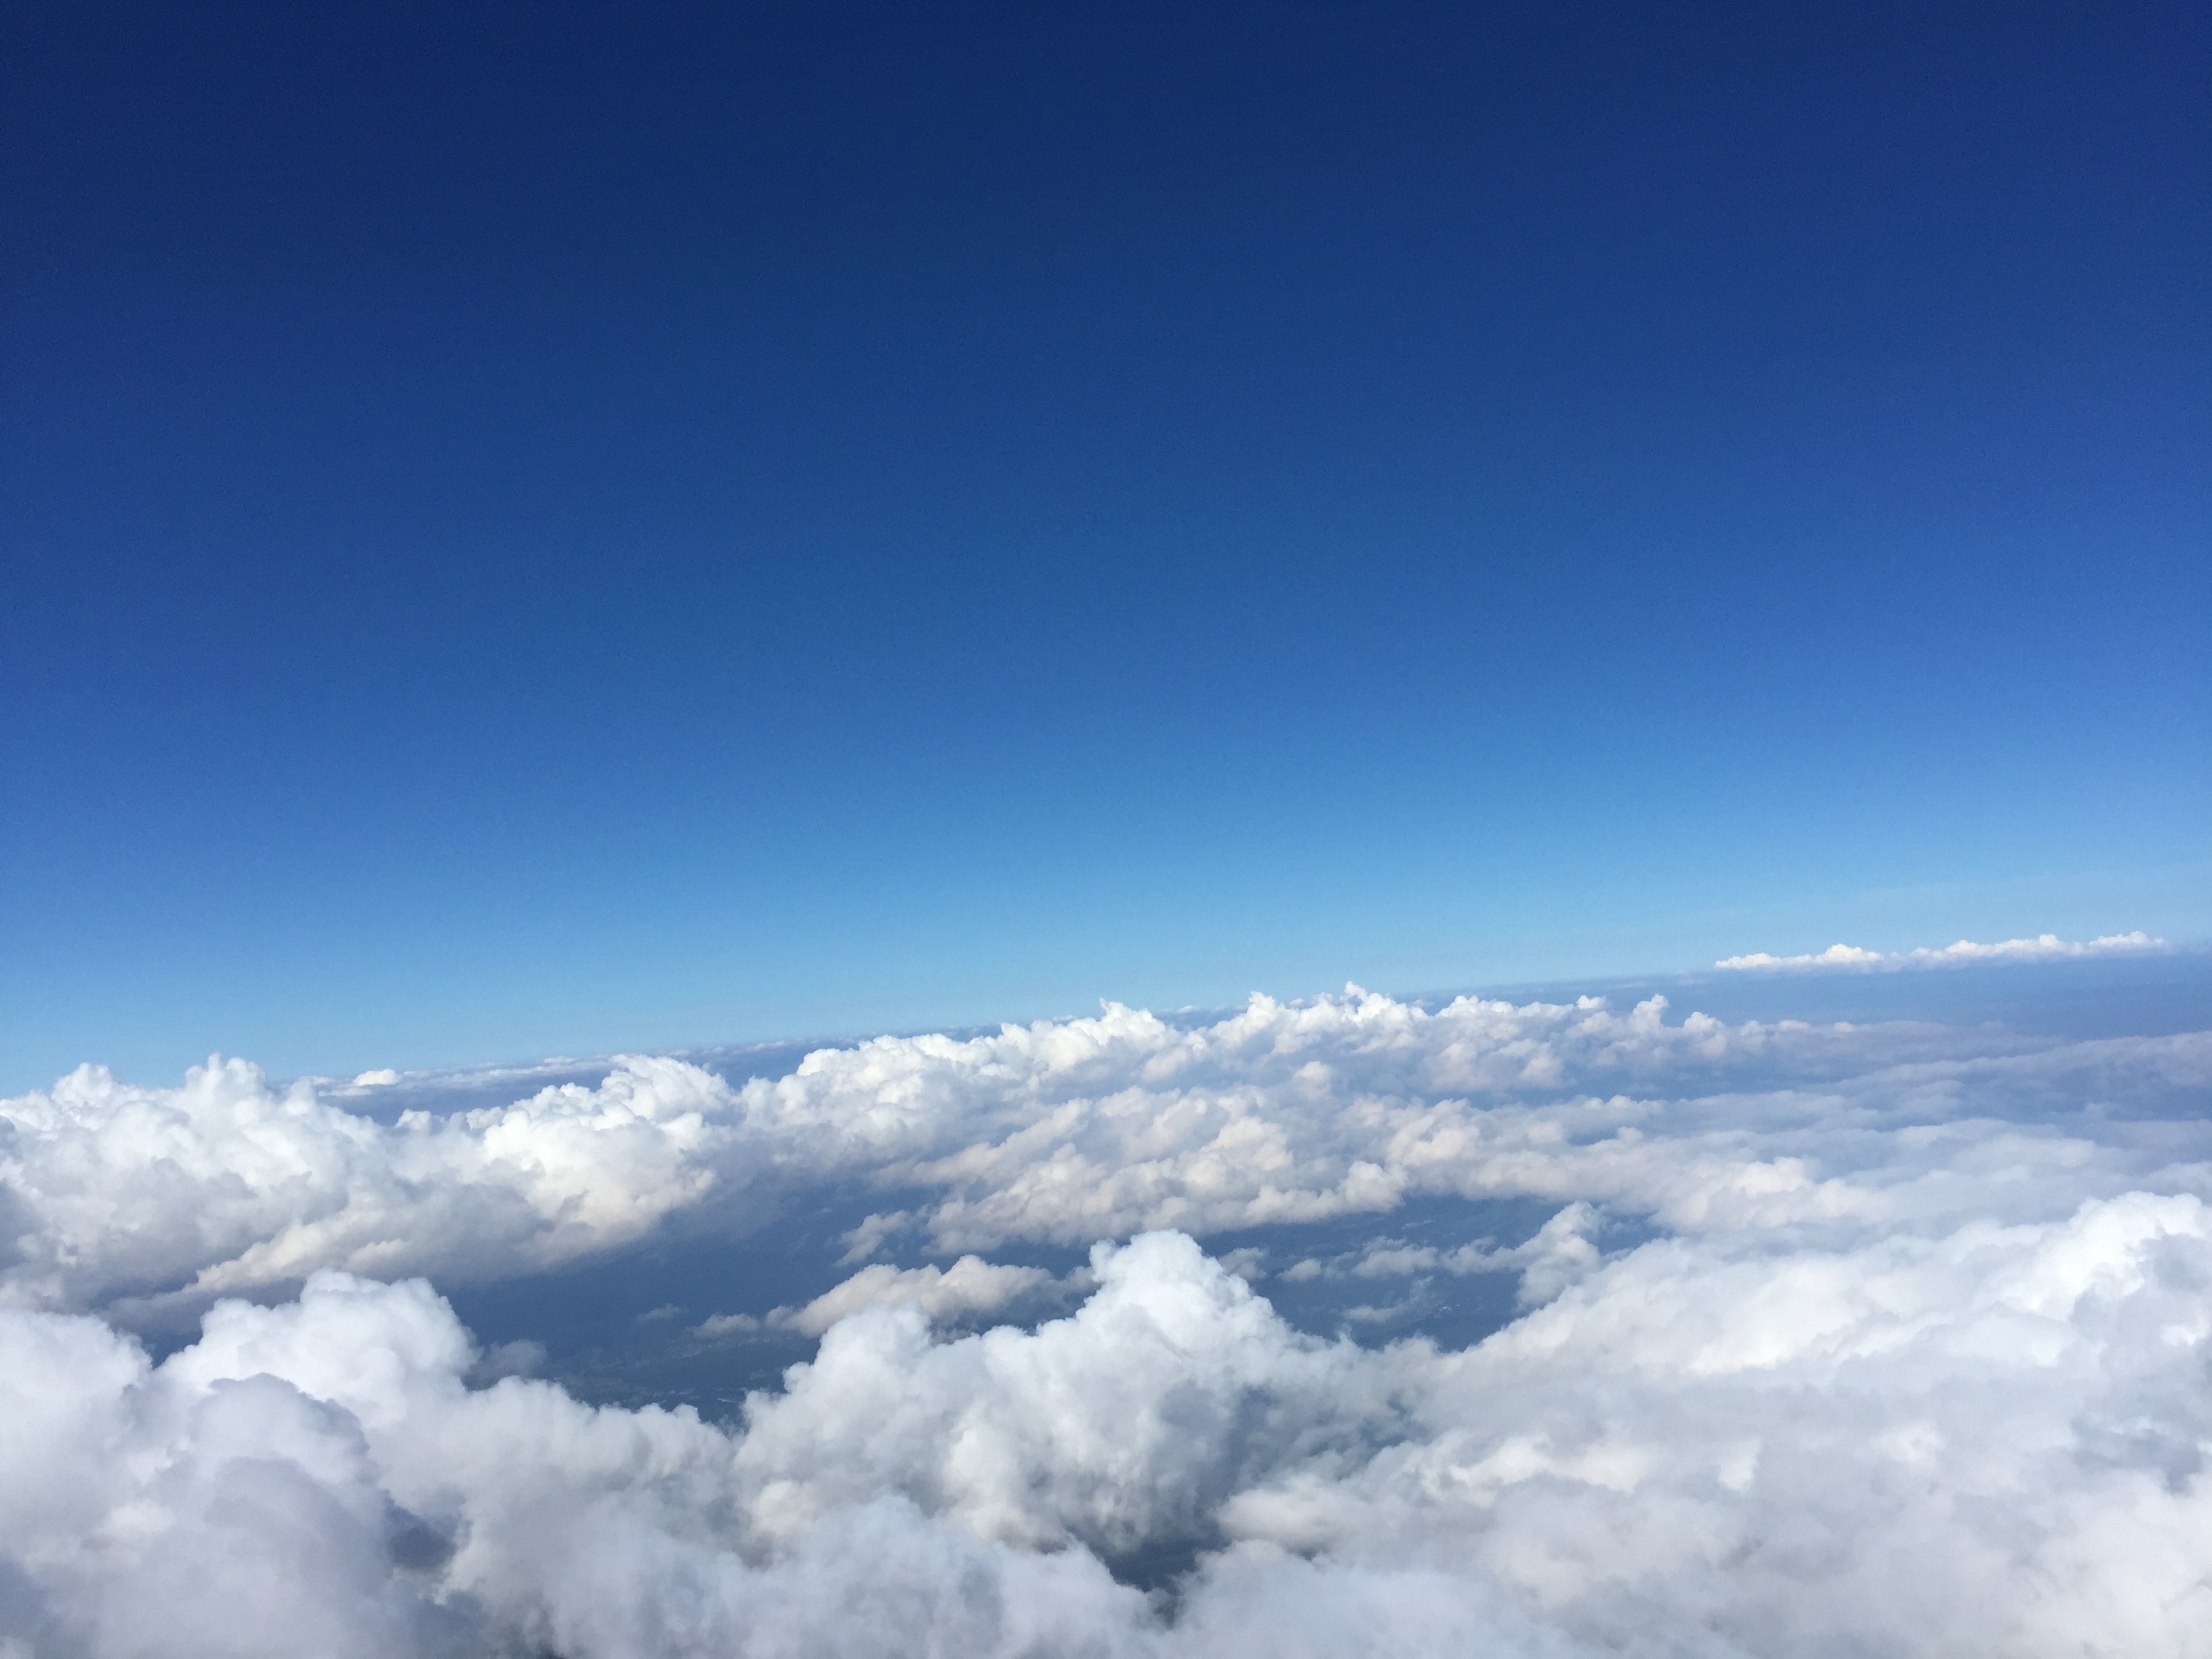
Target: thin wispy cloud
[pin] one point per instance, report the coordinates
(970, 1288)
(1965, 953)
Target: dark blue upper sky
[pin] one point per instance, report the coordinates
(551, 527)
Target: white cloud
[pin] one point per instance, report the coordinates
(1840, 1339)
(970, 1286)
(871, 1236)
(1561, 1252)
(1965, 953)
(1985, 1440)
(228, 1184)
(717, 1327)
(131, 1198)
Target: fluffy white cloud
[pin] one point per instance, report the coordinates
(1965, 953)
(1839, 1340)
(227, 1183)
(1985, 1441)
(1072, 1130)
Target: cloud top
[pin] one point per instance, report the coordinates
(121, 1196)
(1838, 1338)
(227, 1183)
(1981, 1440)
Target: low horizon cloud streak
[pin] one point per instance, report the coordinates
(1964, 953)
(1839, 1338)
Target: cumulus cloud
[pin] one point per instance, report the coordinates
(1965, 953)
(1838, 1338)
(125, 1197)
(228, 1184)
(1985, 1441)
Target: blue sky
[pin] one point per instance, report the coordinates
(554, 529)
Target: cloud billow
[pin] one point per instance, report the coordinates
(1904, 1351)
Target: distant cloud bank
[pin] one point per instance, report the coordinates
(1877, 1338)
(1965, 953)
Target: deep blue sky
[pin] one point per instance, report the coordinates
(546, 528)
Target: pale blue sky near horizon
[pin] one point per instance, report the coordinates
(562, 529)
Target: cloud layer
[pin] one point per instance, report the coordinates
(1988, 1442)
(1839, 1338)
(1064, 1130)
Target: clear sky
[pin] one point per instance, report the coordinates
(543, 529)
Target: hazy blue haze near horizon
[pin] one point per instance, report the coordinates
(571, 529)
(2156, 993)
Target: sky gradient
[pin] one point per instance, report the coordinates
(563, 528)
